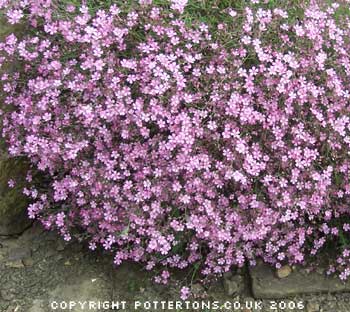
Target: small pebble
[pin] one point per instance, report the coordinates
(28, 262)
(312, 307)
(17, 264)
(284, 271)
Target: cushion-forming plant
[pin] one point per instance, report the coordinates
(166, 145)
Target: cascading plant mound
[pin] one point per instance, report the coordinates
(173, 143)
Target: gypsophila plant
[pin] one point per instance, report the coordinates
(169, 146)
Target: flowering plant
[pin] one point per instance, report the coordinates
(168, 145)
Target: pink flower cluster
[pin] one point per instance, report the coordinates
(166, 146)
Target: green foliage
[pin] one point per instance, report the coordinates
(13, 202)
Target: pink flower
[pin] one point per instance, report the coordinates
(11, 183)
(178, 5)
(184, 293)
(14, 16)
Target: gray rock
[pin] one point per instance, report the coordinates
(60, 246)
(19, 253)
(197, 290)
(51, 236)
(16, 264)
(28, 262)
(34, 232)
(230, 286)
(312, 307)
(284, 271)
(265, 284)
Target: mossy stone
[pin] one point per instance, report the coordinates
(13, 203)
